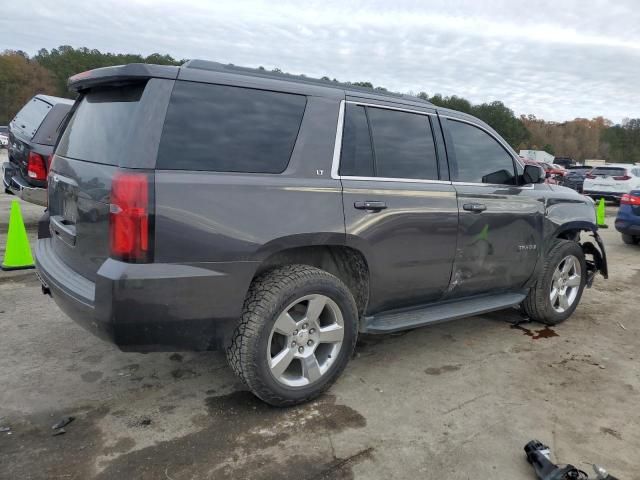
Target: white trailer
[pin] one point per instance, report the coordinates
(537, 155)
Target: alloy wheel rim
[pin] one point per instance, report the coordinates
(565, 284)
(305, 341)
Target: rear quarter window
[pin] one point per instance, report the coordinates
(118, 125)
(229, 129)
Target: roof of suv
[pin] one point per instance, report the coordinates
(208, 71)
(302, 79)
(217, 73)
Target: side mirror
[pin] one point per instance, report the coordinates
(533, 174)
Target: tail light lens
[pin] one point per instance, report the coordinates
(129, 217)
(36, 168)
(628, 199)
(622, 177)
(590, 176)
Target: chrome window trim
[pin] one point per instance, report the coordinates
(386, 107)
(403, 180)
(337, 148)
(528, 186)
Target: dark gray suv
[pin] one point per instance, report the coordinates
(276, 217)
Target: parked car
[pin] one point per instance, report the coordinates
(612, 181)
(277, 217)
(628, 218)
(574, 178)
(564, 162)
(32, 135)
(4, 136)
(549, 177)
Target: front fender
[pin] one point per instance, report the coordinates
(568, 215)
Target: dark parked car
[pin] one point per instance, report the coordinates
(278, 217)
(32, 135)
(4, 136)
(565, 162)
(628, 218)
(574, 178)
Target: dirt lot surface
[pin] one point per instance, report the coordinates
(455, 401)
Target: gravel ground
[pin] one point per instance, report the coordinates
(457, 400)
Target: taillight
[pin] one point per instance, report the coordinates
(622, 177)
(129, 217)
(628, 199)
(588, 175)
(36, 168)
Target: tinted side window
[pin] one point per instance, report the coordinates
(479, 157)
(229, 129)
(30, 116)
(356, 158)
(403, 144)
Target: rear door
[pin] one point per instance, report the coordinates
(111, 128)
(500, 221)
(399, 205)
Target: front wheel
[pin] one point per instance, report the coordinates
(560, 283)
(297, 332)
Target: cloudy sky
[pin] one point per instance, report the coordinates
(557, 59)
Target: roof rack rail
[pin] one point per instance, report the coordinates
(258, 72)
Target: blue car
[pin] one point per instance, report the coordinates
(628, 219)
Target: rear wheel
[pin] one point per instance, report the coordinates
(629, 239)
(297, 332)
(560, 283)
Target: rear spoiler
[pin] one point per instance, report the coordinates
(120, 74)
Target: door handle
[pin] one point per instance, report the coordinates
(63, 229)
(373, 206)
(474, 207)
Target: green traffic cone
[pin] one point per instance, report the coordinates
(17, 255)
(600, 213)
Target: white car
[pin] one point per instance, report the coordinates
(611, 181)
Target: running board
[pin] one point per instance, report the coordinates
(396, 320)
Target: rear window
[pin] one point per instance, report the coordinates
(229, 129)
(30, 117)
(609, 171)
(118, 125)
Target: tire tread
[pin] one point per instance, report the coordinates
(263, 295)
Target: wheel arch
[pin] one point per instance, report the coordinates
(592, 247)
(346, 263)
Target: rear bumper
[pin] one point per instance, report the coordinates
(596, 195)
(14, 182)
(150, 307)
(628, 224)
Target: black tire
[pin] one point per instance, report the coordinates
(538, 304)
(268, 296)
(629, 239)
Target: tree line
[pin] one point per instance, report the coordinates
(22, 76)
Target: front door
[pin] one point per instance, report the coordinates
(500, 221)
(399, 205)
